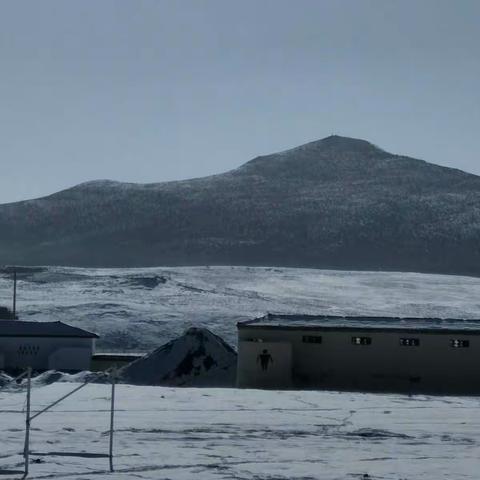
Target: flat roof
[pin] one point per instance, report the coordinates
(18, 328)
(336, 322)
(117, 356)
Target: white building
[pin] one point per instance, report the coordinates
(45, 346)
(360, 353)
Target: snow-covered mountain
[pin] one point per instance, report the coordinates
(333, 203)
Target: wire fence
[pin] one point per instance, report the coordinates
(24, 382)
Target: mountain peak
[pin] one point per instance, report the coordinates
(331, 157)
(101, 183)
(340, 141)
(337, 143)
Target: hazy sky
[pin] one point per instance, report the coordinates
(148, 91)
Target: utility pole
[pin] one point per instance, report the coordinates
(14, 294)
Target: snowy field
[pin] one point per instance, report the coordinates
(140, 309)
(168, 433)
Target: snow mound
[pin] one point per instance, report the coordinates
(196, 359)
(53, 376)
(4, 379)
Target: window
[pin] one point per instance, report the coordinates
(258, 340)
(456, 343)
(28, 349)
(361, 340)
(409, 342)
(311, 339)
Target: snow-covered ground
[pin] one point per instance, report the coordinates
(174, 433)
(140, 309)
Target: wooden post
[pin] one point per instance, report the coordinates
(112, 412)
(26, 450)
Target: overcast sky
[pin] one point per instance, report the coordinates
(147, 91)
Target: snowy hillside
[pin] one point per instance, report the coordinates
(215, 434)
(141, 309)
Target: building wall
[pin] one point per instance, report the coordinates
(383, 365)
(265, 365)
(44, 353)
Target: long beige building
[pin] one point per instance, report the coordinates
(360, 353)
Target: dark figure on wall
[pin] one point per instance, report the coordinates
(265, 359)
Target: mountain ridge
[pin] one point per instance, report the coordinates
(332, 140)
(332, 203)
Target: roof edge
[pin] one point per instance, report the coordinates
(272, 316)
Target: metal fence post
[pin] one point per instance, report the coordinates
(112, 412)
(26, 450)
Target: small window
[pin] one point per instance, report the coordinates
(258, 340)
(311, 339)
(28, 350)
(409, 342)
(456, 343)
(361, 340)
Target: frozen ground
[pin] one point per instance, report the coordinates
(169, 433)
(140, 309)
